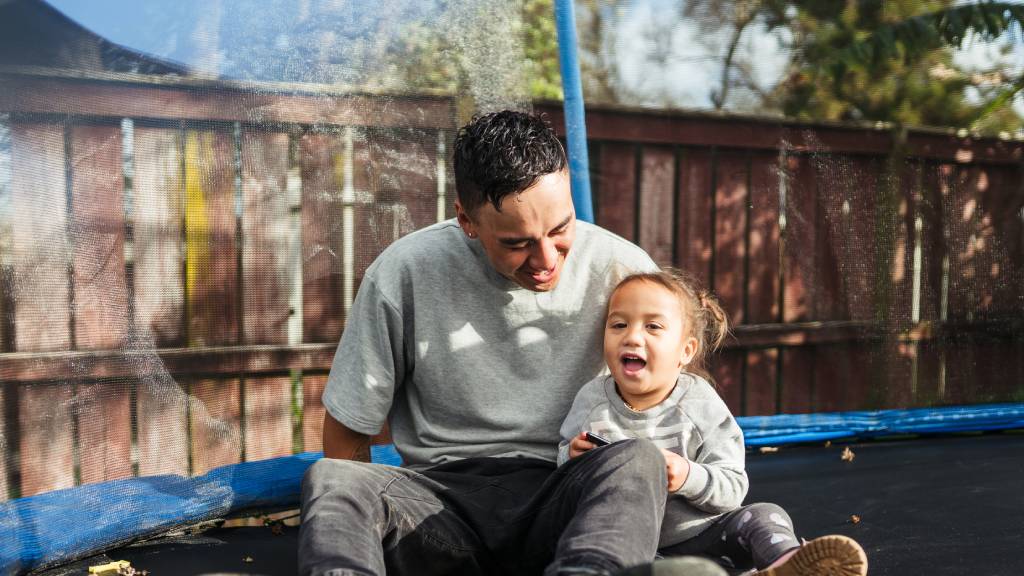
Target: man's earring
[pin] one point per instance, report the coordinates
(471, 235)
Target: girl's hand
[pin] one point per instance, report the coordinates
(579, 444)
(677, 467)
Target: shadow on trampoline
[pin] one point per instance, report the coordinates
(935, 505)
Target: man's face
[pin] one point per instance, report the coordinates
(528, 240)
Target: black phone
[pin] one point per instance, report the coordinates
(597, 440)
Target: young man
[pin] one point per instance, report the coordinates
(471, 338)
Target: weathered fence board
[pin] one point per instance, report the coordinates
(1002, 203)
(656, 210)
(268, 417)
(903, 310)
(215, 423)
(157, 214)
(41, 251)
(761, 384)
(695, 235)
(931, 375)
(928, 206)
(312, 411)
(267, 251)
(410, 157)
(104, 431)
(960, 213)
(869, 242)
(616, 202)
(730, 247)
(799, 244)
(269, 265)
(322, 170)
(46, 443)
(797, 383)
(910, 369)
(985, 241)
(762, 286)
(211, 266)
(822, 210)
(41, 314)
(162, 406)
(727, 369)
(761, 292)
(100, 293)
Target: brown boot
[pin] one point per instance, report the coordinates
(825, 556)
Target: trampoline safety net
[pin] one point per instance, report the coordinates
(190, 194)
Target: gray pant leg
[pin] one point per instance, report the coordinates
(611, 508)
(363, 519)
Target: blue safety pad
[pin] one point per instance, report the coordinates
(65, 525)
(794, 428)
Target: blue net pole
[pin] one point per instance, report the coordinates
(575, 124)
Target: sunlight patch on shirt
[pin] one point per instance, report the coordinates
(464, 337)
(421, 349)
(370, 382)
(530, 335)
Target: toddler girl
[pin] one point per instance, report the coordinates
(659, 329)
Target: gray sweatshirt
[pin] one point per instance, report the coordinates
(461, 361)
(693, 422)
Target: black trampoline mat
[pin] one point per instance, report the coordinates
(950, 505)
(938, 505)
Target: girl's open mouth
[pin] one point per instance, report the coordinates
(632, 363)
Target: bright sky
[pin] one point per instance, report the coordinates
(193, 32)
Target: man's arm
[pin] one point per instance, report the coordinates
(344, 443)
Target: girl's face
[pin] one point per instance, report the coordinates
(646, 342)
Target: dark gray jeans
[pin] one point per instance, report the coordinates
(601, 511)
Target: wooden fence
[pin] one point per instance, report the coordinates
(179, 259)
(861, 268)
(179, 263)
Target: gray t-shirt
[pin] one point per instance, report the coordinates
(463, 362)
(693, 422)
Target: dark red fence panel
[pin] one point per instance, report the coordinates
(176, 265)
(859, 270)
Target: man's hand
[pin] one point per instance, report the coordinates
(344, 443)
(579, 444)
(677, 467)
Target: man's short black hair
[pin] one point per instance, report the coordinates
(503, 153)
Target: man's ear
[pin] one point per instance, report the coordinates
(467, 225)
(689, 351)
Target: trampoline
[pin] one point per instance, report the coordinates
(191, 194)
(946, 504)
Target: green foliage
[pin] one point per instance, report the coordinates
(425, 61)
(892, 61)
(540, 45)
